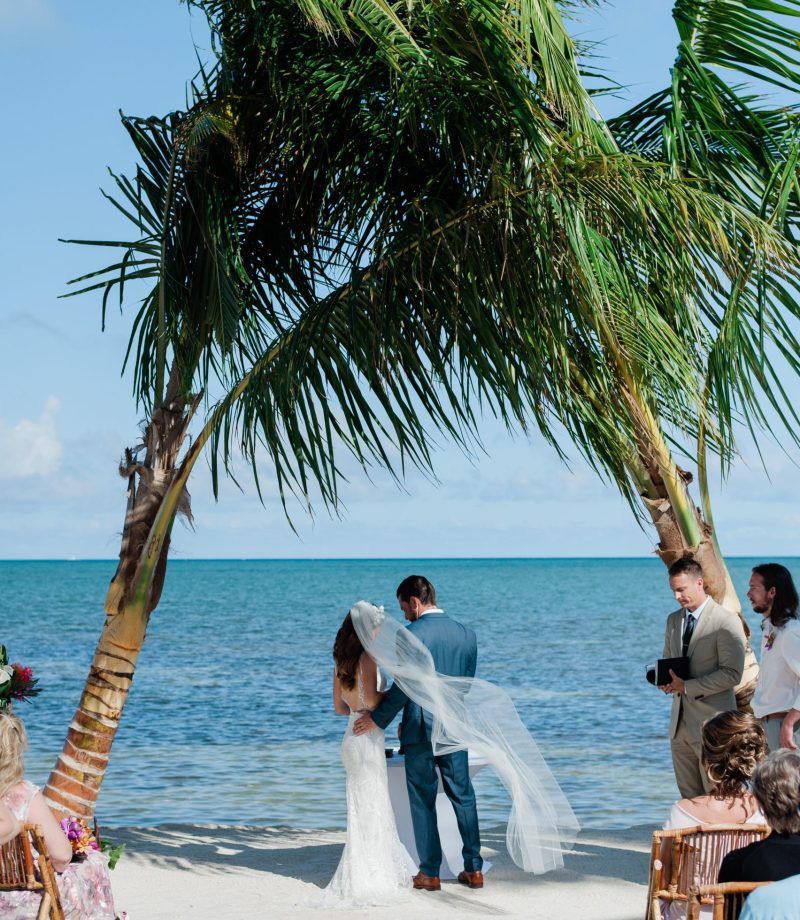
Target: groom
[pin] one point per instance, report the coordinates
(454, 650)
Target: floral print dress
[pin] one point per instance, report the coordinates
(85, 887)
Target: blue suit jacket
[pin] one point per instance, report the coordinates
(454, 649)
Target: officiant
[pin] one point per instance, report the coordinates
(712, 641)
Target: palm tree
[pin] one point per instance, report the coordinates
(743, 147)
(374, 223)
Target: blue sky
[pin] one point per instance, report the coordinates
(66, 415)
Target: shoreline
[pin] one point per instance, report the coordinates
(205, 871)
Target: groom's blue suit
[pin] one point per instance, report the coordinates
(454, 649)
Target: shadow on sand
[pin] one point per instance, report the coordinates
(312, 856)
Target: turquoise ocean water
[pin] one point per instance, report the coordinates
(230, 719)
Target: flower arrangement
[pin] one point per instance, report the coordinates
(80, 836)
(16, 681)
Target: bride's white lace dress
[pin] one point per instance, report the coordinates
(375, 867)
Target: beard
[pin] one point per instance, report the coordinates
(763, 609)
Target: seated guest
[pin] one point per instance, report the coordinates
(776, 786)
(733, 744)
(84, 887)
(780, 901)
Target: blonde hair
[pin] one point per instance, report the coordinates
(13, 744)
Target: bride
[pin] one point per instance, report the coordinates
(375, 867)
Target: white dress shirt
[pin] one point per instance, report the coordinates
(431, 610)
(778, 687)
(694, 613)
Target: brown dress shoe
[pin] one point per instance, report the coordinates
(427, 882)
(473, 879)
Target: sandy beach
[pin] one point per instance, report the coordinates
(205, 872)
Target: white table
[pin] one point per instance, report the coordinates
(452, 860)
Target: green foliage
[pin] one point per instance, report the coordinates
(379, 220)
(742, 146)
(113, 852)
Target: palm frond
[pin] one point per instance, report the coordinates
(376, 223)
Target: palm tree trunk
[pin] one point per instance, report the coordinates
(156, 494)
(664, 490)
(74, 783)
(682, 531)
(133, 594)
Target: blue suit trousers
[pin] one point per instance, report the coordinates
(422, 781)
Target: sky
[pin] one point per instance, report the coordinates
(66, 414)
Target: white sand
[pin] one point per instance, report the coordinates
(205, 872)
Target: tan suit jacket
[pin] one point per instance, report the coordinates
(716, 662)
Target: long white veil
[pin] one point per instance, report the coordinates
(473, 714)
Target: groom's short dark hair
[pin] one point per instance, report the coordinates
(416, 586)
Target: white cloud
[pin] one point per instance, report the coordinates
(31, 448)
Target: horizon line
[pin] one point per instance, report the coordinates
(554, 558)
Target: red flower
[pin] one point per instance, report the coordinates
(24, 675)
(22, 685)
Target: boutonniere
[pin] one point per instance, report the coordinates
(769, 639)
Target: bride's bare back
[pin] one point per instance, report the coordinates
(347, 701)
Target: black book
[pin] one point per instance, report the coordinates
(664, 665)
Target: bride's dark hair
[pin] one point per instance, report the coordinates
(347, 649)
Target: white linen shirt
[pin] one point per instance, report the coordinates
(778, 687)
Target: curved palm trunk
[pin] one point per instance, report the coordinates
(682, 530)
(153, 504)
(74, 783)
(664, 490)
(132, 596)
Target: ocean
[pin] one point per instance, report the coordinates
(230, 719)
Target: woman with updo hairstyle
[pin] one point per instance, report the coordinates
(734, 744)
(84, 887)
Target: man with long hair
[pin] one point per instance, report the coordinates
(777, 698)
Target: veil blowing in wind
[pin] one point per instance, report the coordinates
(476, 715)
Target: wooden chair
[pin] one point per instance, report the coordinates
(693, 856)
(19, 872)
(727, 899)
